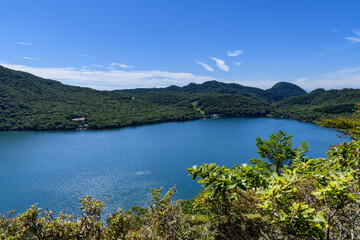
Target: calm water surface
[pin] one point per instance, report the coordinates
(54, 169)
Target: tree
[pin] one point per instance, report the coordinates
(278, 149)
(312, 199)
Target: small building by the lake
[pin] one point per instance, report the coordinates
(78, 119)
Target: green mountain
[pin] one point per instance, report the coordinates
(277, 92)
(283, 90)
(318, 104)
(28, 102)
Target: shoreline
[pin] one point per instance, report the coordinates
(160, 122)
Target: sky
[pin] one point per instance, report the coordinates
(122, 44)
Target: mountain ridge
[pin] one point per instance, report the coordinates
(28, 102)
(277, 92)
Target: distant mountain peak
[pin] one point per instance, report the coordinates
(283, 90)
(285, 85)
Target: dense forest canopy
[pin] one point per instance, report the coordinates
(28, 102)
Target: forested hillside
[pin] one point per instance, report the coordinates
(318, 104)
(277, 92)
(28, 102)
(283, 90)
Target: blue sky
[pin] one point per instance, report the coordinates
(121, 44)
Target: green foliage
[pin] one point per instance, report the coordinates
(314, 199)
(31, 225)
(279, 91)
(317, 105)
(283, 90)
(28, 102)
(228, 197)
(119, 225)
(350, 124)
(163, 220)
(227, 105)
(278, 150)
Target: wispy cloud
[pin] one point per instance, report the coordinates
(346, 71)
(121, 65)
(263, 84)
(30, 58)
(234, 53)
(207, 67)
(237, 63)
(354, 39)
(327, 50)
(335, 30)
(113, 79)
(86, 55)
(343, 78)
(221, 64)
(25, 43)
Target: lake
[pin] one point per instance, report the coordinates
(54, 169)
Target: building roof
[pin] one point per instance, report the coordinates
(78, 119)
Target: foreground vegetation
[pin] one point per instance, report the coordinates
(28, 102)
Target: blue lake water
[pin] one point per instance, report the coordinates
(54, 169)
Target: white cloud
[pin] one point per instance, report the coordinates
(263, 84)
(30, 58)
(207, 67)
(346, 71)
(354, 39)
(121, 65)
(335, 30)
(234, 53)
(344, 78)
(25, 43)
(221, 64)
(237, 63)
(113, 79)
(86, 55)
(301, 80)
